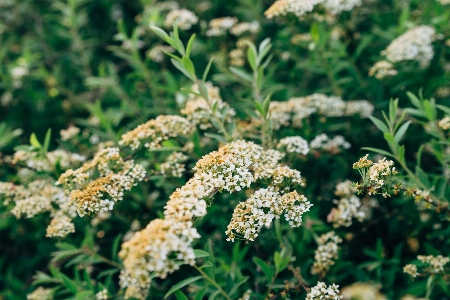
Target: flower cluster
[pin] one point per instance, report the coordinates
(102, 295)
(333, 146)
(382, 69)
(321, 292)
(39, 162)
(349, 206)
(415, 44)
(376, 176)
(260, 210)
(37, 197)
(362, 291)
(41, 294)
(153, 249)
(436, 263)
(411, 270)
(302, 7)
(156, 131)
(60, 226)
(444, 124)
(220, 26)
(243, 27)
(173, 166)
(293, 111)
(70, 132)
(294, 144)
(91, 195)
(199, 111)
(326, 253)
(346, 211)
(184, 18)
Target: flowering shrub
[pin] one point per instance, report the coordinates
(224, 150)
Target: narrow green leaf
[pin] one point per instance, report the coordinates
(263, 49)
(241, 73)
(445, 109)
(34, 141)
(393, 110)
(200, 253)
(183, 70)
(182, 284)
(277, 259)
(380, 125)
(423, 177)
(69, 284)
(401, 132)
(47, 140)
(376, 150)
(414, 100)
(84, 295)
(389, 138)
(251, 57)
(236, 286)
(208, 67)
(181, 296)
(430, 110)
(189, 45)
(267, 270)
(259, 108)
(161, 33)
(201, 294)
(189, 65)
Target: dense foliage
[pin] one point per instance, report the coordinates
(217, 149)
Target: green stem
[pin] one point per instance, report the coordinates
(213, 282)
(220, 122)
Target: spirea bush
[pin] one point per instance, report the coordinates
(289, 149)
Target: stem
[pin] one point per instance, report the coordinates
(213, 282)
(222, 127)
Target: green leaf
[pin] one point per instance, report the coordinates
(181, 296)
(183, 70)
(182, 284)
(430, 110)
(251, 57)
(208, 67)
(161, 33)
(266, 104)
(422, 177)
(237, 285)
(34, 141)
(47, 140)
(380, 151)
(115, 247)
(69, 284)
(389, 138)
(189, 65)
(278, 260)
(201, 294)
(241, 74)
(189, 45)
(259, 107)
(200, 253)
(267, 270)
(393, 104)
(380, 125)
(401, 132)
(414, 100)
(444, 108)
(264, 48)
(84, 295)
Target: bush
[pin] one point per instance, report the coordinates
(211, 150)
